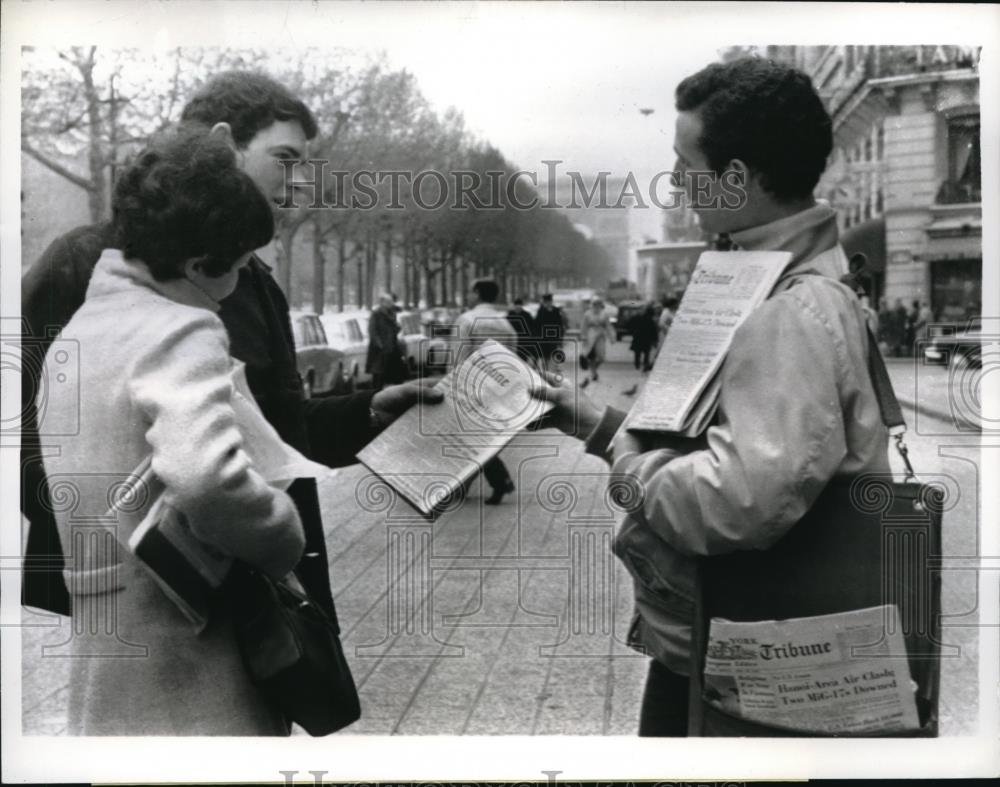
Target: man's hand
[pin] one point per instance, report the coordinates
(574, 414)
(390, 403)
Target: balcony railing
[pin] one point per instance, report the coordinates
(952, 193)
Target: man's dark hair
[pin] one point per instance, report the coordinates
(184, 197)
(487, 290)
(519, 302)
(547, 298)
(249, 102)
(766, 114)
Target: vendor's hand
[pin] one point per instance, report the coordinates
(574, 414)
(392, 402)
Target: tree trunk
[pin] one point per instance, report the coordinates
(388, 261)
(372, 258)
(319, 269)
(360, 296)
(453, 278)
(341, 264)
(463, 279)
(407, 265)
(96, 197)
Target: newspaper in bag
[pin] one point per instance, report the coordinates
(725, 288)
(430, 452)
(838, 674)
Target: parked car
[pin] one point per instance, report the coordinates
(437, 325)
(344, 332)
(957, 345)
(626, 311)
(320, 366)
(411, 332)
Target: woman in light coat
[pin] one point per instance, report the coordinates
(596, 333)
(155, 381)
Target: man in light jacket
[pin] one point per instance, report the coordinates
(482, 322)
(797, 406)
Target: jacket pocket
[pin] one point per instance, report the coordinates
(662, 575)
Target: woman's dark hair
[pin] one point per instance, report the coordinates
(766, 114)
(249, 102)
(184, 197)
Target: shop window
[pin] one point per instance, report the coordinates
(956, 289)
(868, 149)
(964, 182)
(880, 144)
(879, 204)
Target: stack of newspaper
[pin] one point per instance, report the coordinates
(682, 391)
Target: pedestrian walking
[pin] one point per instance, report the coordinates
(385, 362)
(484, 321)
(645, 332)
(524, 325)
(900, 322)
(550, 325)
(596, 332)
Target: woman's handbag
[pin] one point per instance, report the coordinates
(866, 542)
(584, 362)
(291, 650)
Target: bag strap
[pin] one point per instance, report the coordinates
(888, 404)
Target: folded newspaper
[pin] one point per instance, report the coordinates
(188, 570)
(431, 452)
(837, 674)
(682, 391)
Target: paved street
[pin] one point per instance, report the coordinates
(510, 619)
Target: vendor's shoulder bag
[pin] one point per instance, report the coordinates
(867, 541)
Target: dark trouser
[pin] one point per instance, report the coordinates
(393, 372)
(641, 358)
(664, 712)
(495, 472)
(43, 584)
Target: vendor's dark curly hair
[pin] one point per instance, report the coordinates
(249, 102)
(766, 114)
(184, 197)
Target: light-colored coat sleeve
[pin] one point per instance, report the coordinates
(462, 343)
(185, 391)
(780, 439)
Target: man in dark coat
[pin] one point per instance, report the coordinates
(644, 332)
(524, 324)
(385, 359)
(550, 323)
(264, 123)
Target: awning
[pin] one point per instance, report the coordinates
(951, 237)
(867, 238)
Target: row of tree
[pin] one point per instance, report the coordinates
(86, 110)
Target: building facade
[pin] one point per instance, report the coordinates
(905, 175)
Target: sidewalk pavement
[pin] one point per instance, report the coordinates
(506, 619)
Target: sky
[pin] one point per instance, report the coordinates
(558, 82)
